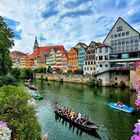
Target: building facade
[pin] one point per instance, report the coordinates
(58, 64)
(16, 56)
(125, 50)
(89, 67)
(73, 59)
(102, 58)
(51, 59)
(65, 62)
(81, 57)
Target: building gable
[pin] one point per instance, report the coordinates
(121, 29)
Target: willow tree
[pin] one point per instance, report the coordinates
(6, 42)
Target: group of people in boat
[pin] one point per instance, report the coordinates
(74, 116)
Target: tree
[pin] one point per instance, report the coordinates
(15, 72)
(27, 74)
(18, 113)
(6, 42)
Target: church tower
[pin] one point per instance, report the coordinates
(36, 45)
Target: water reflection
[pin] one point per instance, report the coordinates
(74, 129)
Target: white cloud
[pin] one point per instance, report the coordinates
(65, 31)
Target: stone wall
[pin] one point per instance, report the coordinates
(132, 79)
(66, 77)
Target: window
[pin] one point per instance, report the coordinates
(123, 34)
(127, 33)
(120, 28)
(91, 68)
(127, 42)
(106, 65)
(115, 35)
(123, 42)
(112, 36)
(100, 57)
(136, 41)
(106, 57)
(91, 63)
(119, 34)
(100, 65)
(119, 43)
(131, 41)
(85, 68)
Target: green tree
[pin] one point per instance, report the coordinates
(15, 72)
(18, 113)
(91, 81)
(7, 80)
(6, 42)
(27, 74)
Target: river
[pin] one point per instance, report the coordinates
(113, 124)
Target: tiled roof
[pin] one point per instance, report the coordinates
(46, 49)
(100, 45)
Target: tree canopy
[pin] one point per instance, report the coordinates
(18, 113)
(6, 42)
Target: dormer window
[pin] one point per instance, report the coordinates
(120, 28)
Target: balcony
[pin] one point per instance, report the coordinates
(123, 68)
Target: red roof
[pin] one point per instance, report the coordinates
(46, 49)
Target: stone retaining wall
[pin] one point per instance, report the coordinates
(65, 77)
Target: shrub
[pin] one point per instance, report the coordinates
(78, 72)
(15, 72)
(99, 82)
(91, 81)
(16, 111)
(27, 74)
(39, 70)
(122, 84)
(7, 80)
(69, 72)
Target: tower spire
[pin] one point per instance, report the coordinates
(36, 44)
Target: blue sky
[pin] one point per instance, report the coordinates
(65, 22)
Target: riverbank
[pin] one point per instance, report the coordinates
(76, 78)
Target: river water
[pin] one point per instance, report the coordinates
(113, 124)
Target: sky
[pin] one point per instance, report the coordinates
(65, 22)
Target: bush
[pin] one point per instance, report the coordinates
(69, 72)
(39, 70)
(78, 72)
(7, 80)
(122, 84)
(27, 74)
(91, 81)
(15, 72)
(16, 111)
(99, 82)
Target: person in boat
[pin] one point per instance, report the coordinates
(79, 117)
(120, 104)
(72, 113)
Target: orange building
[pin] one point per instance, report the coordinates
(73, 59)
(27, 61)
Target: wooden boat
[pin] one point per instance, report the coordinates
(32, 87)
(124, 108)
(89, 127)
(37, 97)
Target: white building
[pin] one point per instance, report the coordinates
(125, 43)
(102, 61)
